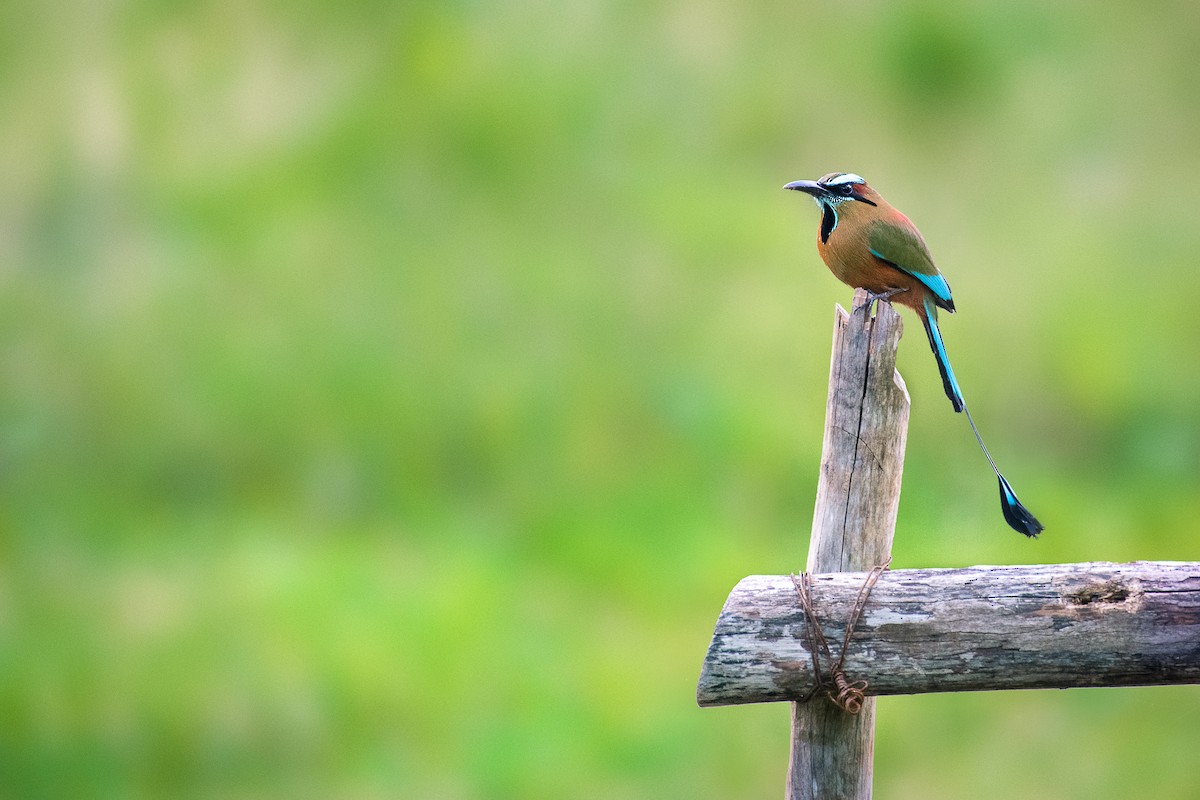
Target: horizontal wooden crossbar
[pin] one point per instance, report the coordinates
(948, 630)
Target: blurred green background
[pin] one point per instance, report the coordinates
(392, 393)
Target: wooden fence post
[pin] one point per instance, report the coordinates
(862, 460)
(925, 630)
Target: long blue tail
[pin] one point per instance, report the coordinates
(939, 352)
(1016, 515)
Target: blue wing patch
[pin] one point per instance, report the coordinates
(935, 282)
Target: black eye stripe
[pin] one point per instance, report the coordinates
(845, 188)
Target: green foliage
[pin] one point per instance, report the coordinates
(394, 391)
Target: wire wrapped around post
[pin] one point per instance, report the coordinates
(847, 694)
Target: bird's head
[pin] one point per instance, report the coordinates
(837, 188)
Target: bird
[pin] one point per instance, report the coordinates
(868, 244)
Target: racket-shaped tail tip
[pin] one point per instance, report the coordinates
(1016, 515)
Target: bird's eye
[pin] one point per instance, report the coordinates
(846, 188)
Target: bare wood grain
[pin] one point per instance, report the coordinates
(862, 459)
(862, 456)
(980, 628)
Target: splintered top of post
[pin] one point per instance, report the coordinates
(880, 332)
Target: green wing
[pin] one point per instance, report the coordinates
(903, 248)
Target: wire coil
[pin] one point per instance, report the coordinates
(847, 694)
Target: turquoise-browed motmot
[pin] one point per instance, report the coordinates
(868, 244)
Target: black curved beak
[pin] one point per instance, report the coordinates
(808, 187)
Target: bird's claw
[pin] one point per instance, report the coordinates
(872, 297)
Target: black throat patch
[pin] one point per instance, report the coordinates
(828, 222)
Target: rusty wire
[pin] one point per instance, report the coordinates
(848, 695)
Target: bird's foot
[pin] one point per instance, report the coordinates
(872, 297)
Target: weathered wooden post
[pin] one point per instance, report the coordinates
(926, 630)
(862, 459)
